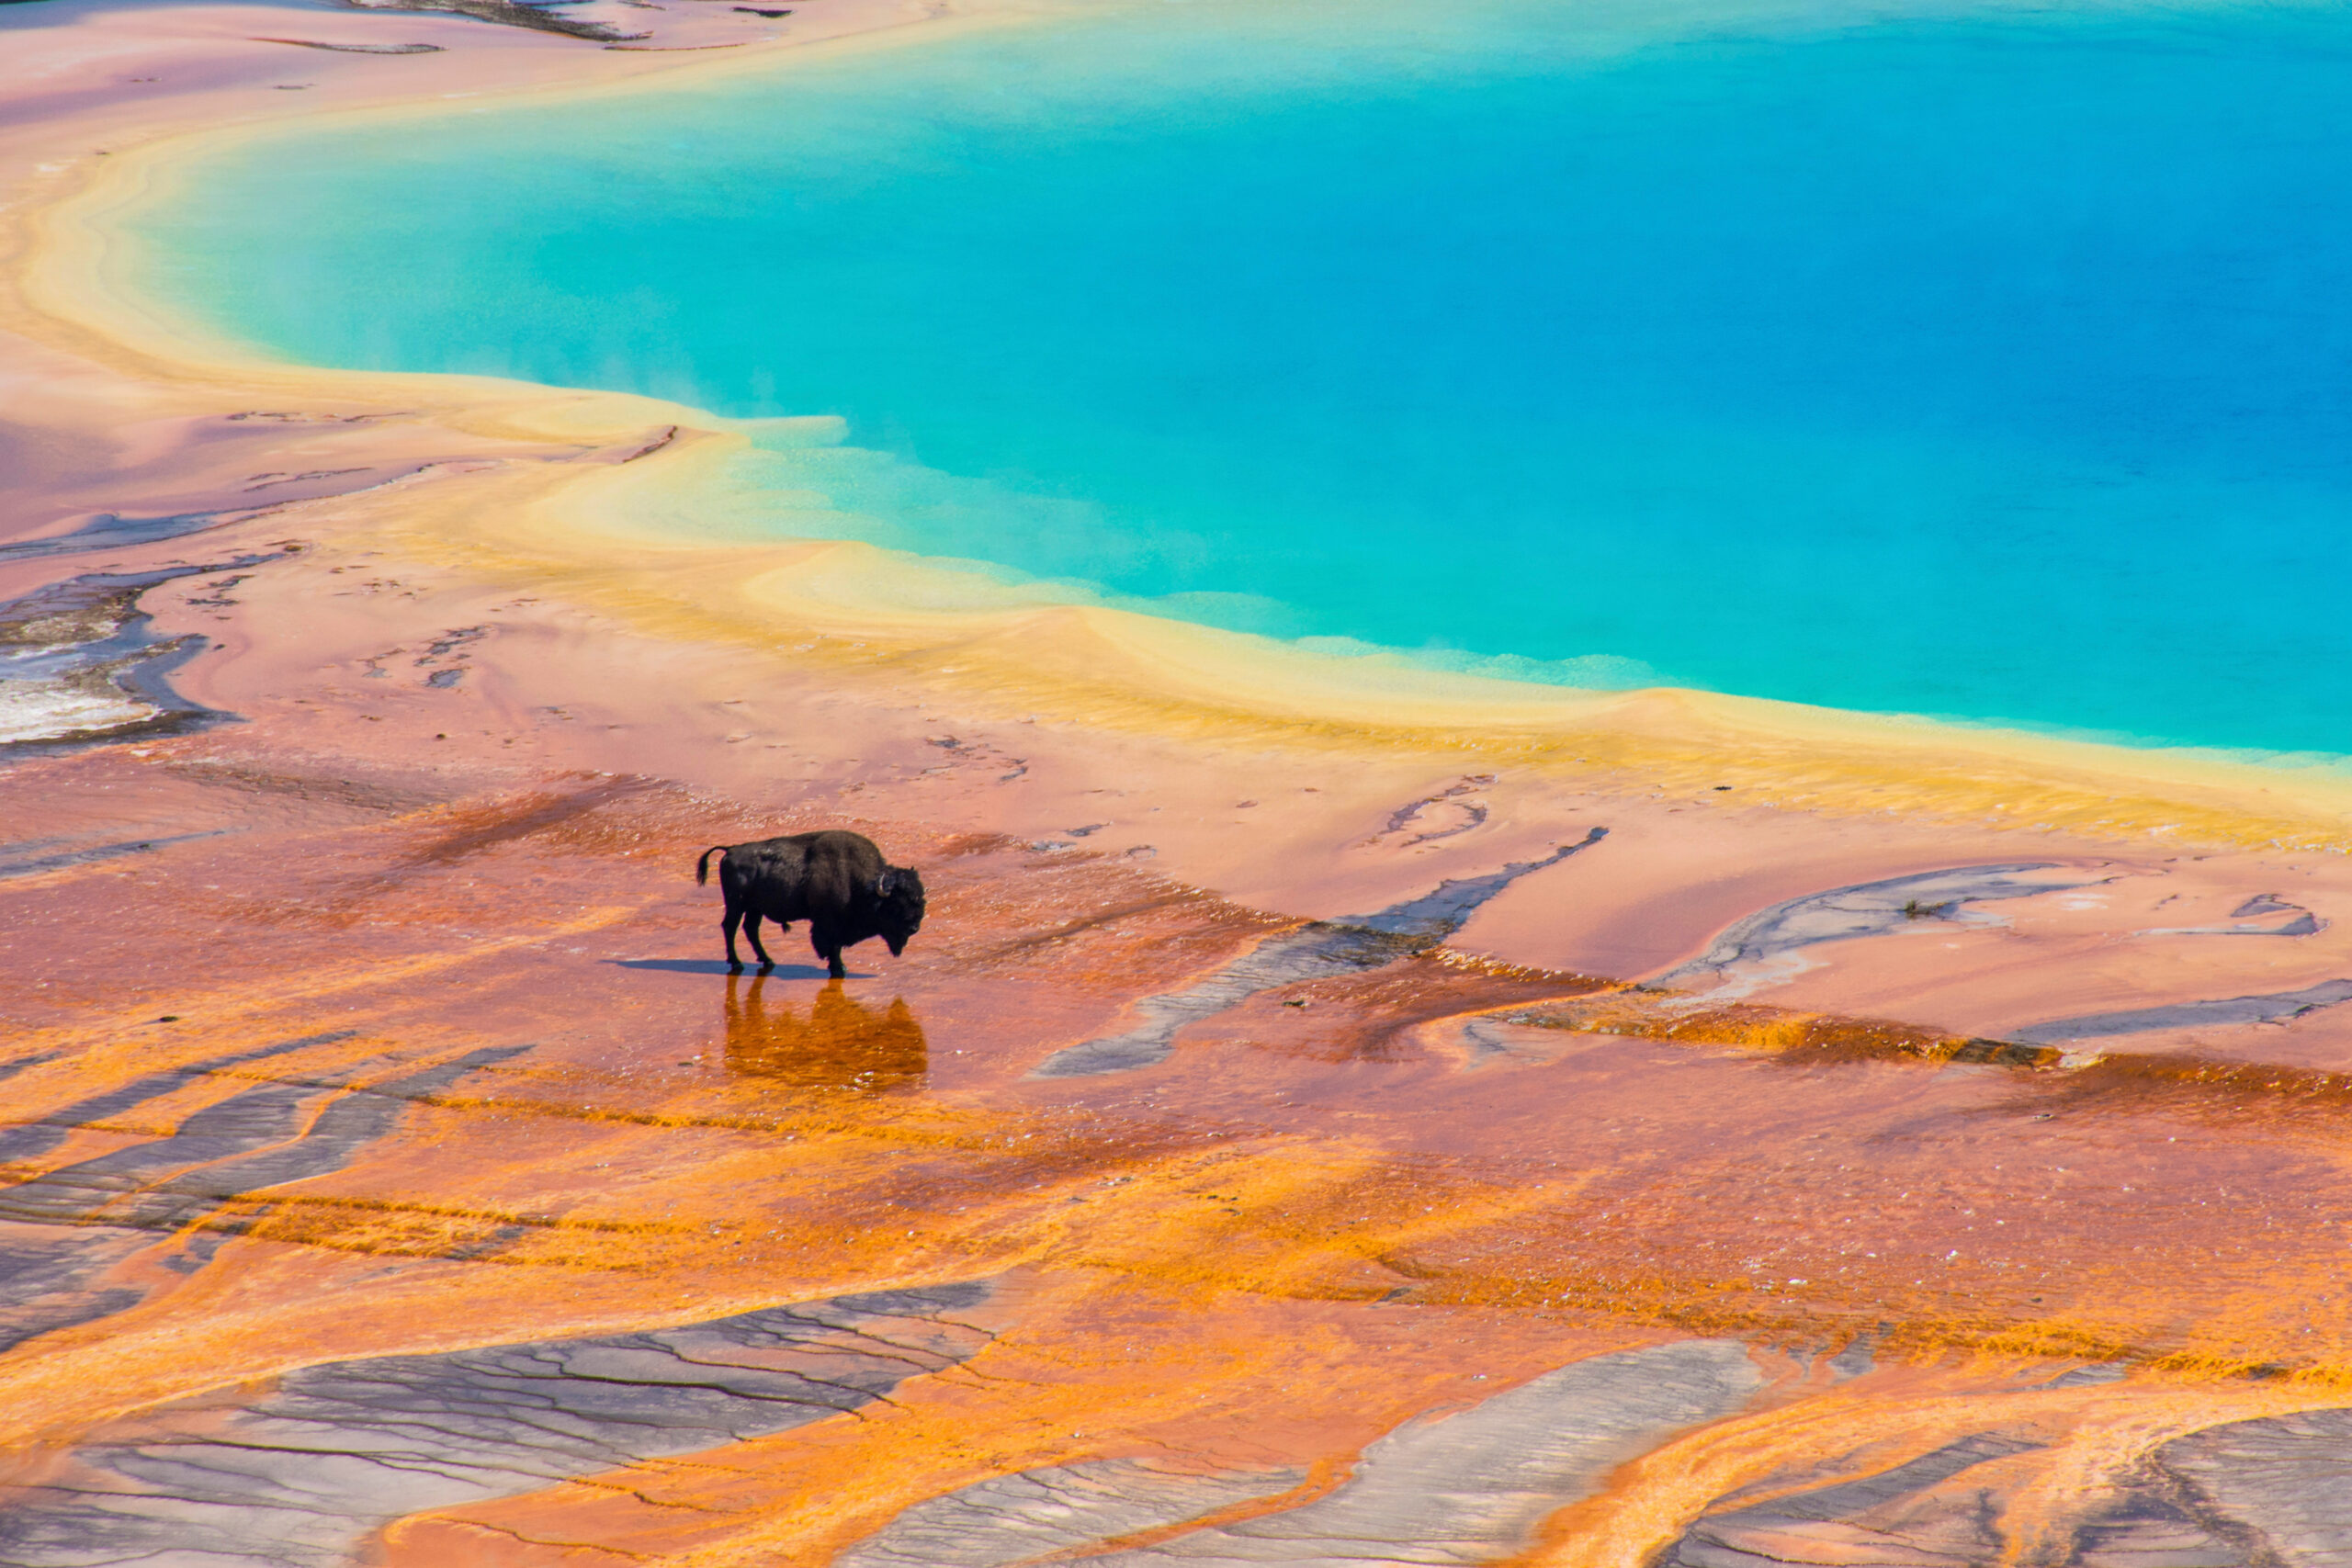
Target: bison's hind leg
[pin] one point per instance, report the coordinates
(734, 917)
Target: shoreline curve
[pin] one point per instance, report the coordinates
(1039, 647)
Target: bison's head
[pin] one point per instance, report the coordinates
(899, 914)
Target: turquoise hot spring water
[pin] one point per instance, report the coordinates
(1989, 364)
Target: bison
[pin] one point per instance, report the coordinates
(837, 882)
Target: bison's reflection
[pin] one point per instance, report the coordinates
(840, 1044)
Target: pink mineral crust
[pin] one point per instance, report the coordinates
(1323, 1106)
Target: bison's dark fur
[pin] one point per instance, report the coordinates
(837, 882)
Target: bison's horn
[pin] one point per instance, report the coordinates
(887, 884)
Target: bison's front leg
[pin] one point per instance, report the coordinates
(828, 944)
(752, 929)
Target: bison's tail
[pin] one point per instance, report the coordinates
(701, 866)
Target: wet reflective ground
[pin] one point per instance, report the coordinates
(831, 1041)
(406, 1177)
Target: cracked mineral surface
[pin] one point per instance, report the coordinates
(1064, 1508)
(1325, 948)
(303, 1475)
(1473, 1487)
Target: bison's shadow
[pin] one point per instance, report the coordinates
(718, 966)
